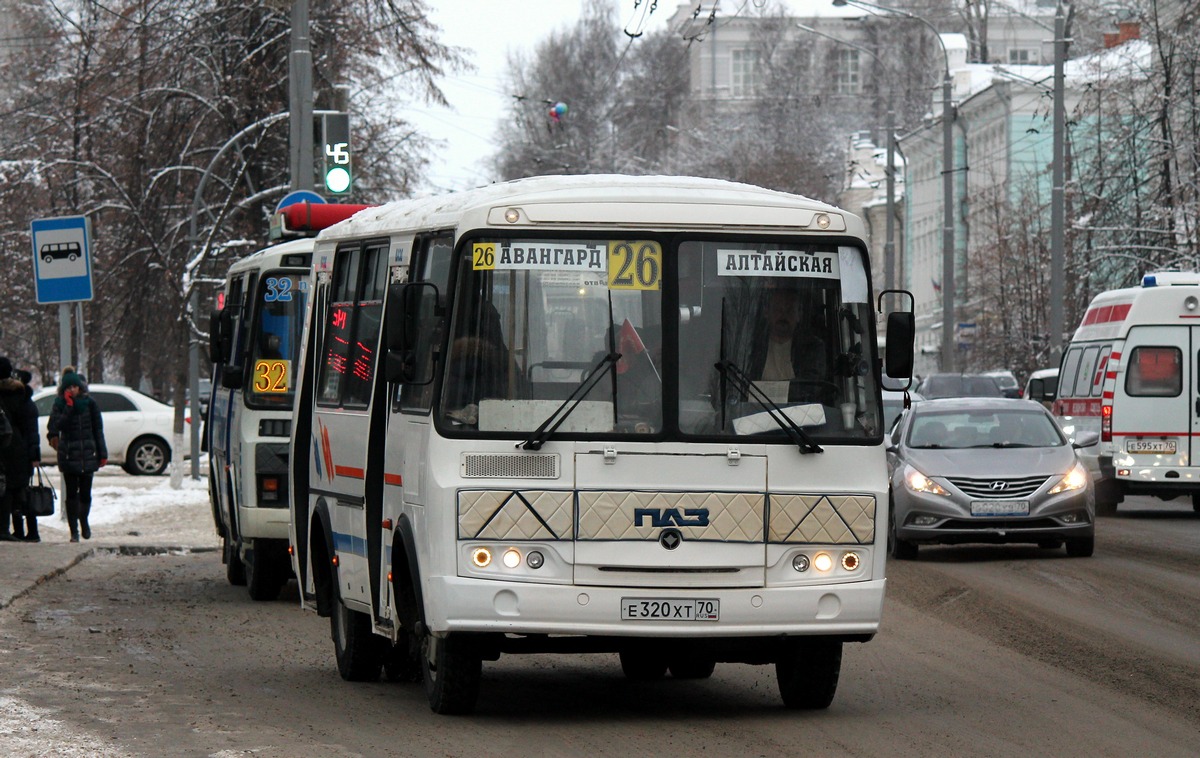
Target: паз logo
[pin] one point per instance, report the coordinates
(670, 517)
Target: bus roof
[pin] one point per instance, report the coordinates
(262, 258)
(612, 200)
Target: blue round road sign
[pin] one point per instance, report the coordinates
(299, 196)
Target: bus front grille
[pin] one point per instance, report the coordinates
(500, 466)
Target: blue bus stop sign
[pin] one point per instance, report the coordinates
(62, 259)
(299, 196)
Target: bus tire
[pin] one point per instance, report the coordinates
(451, 669)
(1196, 501)
(692, 668)
(1081, 547)
(358, 650)
(264, 579)
(642, 665)
(807, 672)
(235, 570)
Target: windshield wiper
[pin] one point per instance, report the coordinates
(743, 384)
(555, 420)
(1007, 444)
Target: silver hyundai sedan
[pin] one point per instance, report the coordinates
(987, 470)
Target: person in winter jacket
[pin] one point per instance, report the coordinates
(17, 455)
(76, 431)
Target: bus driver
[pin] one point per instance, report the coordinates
(784, 349)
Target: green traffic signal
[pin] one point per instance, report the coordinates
(337, 179)
(337, 153)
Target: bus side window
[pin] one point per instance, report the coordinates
(352, 331)
(433, 257)
(335, 351)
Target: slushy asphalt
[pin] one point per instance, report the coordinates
(175, 528)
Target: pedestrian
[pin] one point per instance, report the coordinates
(76, 432)
(18, 454)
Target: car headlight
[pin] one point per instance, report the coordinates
(1075, 479)
(918, 482)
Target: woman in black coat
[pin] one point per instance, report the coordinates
(18, 455)
(76, 431)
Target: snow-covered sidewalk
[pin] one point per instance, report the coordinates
(139, 510)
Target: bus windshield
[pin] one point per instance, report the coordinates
(534, 321)
(275, 345)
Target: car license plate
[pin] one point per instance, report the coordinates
(1150, 446)
(633, 608)
(1000, 508)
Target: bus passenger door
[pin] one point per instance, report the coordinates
(410, 424)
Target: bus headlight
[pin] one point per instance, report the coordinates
(511, 558)
(481, 557)
(823, 562)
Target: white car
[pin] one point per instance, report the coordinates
(137, 428)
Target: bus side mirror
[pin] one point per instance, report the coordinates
(898, 350)
(215, 351)
(231, 371)
(409, 320)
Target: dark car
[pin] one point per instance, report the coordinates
(987, 470)
(937, 386)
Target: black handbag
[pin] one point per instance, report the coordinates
(40, 497)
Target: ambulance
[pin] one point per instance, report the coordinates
(1131, 379)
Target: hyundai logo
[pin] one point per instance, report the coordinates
(670, 539)
(999, 485)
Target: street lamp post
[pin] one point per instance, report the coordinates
(948, 315)
(1058, 191)
(889, 245)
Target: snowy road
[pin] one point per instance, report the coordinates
(989, 651)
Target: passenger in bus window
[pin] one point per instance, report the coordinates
(478, 367)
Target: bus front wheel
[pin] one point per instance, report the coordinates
(807, 672)
(451, 669)
(264, 572)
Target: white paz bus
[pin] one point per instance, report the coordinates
(1131, 377)
(594, 413)
(254, 342)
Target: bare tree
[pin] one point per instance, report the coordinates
(134, 108)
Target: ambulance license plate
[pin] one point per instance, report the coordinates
(1150, 446)
(1000, 508)
(637, 608)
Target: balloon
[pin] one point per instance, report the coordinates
(560, 109)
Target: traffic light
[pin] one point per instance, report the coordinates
(336, 128)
